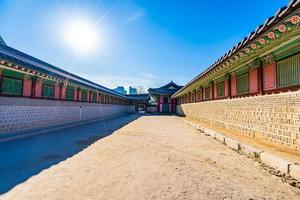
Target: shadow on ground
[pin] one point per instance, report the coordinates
(20, 159)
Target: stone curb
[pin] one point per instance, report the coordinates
(284, 166)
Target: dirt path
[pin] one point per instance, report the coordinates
(155, 157)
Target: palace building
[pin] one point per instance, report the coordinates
(254, 87)
(162, 97)
(252, 90)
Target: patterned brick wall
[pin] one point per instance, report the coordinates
(274, 118)
(26, 113)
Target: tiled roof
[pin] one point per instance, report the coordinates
(19, 58)
(167, 89)
(260, 30)
(2, 41)
(144, 97)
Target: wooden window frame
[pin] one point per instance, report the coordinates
(205, 91)
(278, 71)
(86, 99)
(11, 95)
(238, 85)
(67, 98)
(48, 97)
(218, 89)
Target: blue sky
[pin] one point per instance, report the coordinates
(144, 43)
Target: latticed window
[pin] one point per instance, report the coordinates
(12, 86)
(288, 71)
(48, 91)
(94, 97)
(84, 95)
(70, 94)
(220, 89)
(243, 84)
(207, 93)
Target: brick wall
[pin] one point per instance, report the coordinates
(25, 113)
(274, 118)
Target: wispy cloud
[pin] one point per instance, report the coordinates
(136, 15)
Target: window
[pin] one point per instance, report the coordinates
(48, 91)
(207, 93)
(70, 94)
(243, 84)
(84, 95)
(288, 71)
(12, 86)
(220, 89)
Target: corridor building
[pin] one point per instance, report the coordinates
(254, 88)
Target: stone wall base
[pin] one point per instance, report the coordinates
(18, 114)
(272, 118)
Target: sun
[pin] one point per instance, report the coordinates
(81, 36)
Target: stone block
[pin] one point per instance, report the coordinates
(276, 162)
(220, 137)
(295, 171)
(250, 150)
(233, 144)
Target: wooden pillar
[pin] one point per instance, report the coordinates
(27, 86)
(215, 85)
(56, 90)
(36, 90)
(233, 85)
(269, 76)
(63, 91)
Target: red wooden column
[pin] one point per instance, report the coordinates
(233, 85)
(253, 80)
(27, 86)
(215, 85)
(211, 91)
(63, 91)
(56, 90)
(36, 90)
(269, 76)
(161, 101)
(227, 88)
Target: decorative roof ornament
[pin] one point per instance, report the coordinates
(269, 58)
(295, 20)
(247, 50)
(282, 28)
(271, 35)
(262, 41)
(253, 46)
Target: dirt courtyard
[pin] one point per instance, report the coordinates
(155, 157)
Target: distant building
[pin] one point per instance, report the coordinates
(121, 90)
(2, 41)
(132, 90)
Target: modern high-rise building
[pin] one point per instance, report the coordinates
(121, 90)
(132, 90)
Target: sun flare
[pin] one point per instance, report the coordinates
(81, 36)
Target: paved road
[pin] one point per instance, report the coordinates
(23, 158)
(155, 157)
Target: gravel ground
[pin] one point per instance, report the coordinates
(155, 157)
